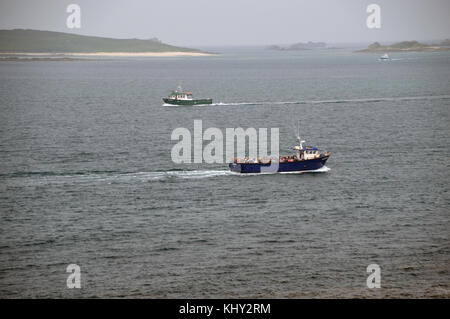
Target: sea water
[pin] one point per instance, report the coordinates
(86, 177)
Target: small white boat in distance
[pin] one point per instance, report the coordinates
(385, 57)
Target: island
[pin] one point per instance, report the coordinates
(445, 43)
(37, 43)
(404, 46)
(299, 46)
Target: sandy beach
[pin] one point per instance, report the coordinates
(112, 54)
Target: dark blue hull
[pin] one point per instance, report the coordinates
(297, 166)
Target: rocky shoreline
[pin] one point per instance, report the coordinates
(405, 46)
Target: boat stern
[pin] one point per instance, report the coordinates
(235, 167)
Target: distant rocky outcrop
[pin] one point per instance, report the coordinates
(445, 43)
(299, 46)
(403, 46)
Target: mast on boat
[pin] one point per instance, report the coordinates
(300, 141)
(299, 148)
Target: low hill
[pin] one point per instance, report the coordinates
(446, 43)
(299, 46)
(402, 46)
(34, 41)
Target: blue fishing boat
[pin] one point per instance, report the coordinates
(306, 159)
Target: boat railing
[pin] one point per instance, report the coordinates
(269, 160)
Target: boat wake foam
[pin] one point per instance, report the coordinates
(320, 170)
(363, 100)
(37, 178)
(185, 174)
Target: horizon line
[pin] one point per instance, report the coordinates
(234, 44)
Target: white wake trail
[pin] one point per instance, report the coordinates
(362, 100)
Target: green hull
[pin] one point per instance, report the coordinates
(187, 102)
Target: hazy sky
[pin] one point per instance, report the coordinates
(236, 22)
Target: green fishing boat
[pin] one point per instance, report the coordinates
(180, 97)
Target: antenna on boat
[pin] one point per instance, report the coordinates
(298, 135)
